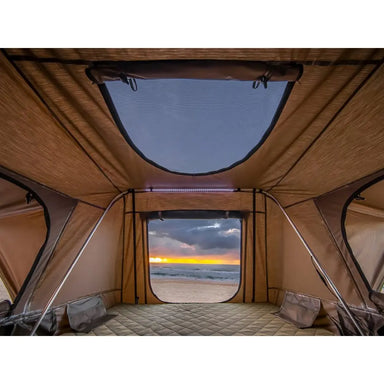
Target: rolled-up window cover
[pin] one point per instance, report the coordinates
(194, 69)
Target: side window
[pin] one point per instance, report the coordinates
(364, 228)
(4, 294)
(22, 233)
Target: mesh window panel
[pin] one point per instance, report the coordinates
(196, 126)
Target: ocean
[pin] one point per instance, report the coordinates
(220, 273)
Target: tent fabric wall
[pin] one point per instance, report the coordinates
(79, 227)
(332, 207)
(253, 287)
(18, 220)
(57, 210)
(364, 220)
(289, 264)
(136, 280)
(99, 268)
(309, 222)
(364, 234)
(316, 173)
(42, 150)
(17, 257)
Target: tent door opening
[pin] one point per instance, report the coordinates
(194, 257)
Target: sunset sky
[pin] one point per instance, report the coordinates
(205, 241)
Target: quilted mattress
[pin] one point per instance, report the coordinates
(219, 319)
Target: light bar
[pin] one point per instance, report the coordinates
(190, 190)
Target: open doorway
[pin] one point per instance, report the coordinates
(194, 256)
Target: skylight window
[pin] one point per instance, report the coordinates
(195, 126)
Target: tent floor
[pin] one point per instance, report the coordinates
(221, 319)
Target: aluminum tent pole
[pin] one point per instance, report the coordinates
(317, 264)
(75, 260)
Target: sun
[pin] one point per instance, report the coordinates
(158, 260)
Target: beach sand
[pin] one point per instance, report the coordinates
(4, 295)
(192, 291)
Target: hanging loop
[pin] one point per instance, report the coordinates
(263, 79)
(28, 197)
(130, 81)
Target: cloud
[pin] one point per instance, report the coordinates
(195, 237)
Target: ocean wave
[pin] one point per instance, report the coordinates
(228, 273)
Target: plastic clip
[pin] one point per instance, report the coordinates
(28, 197)
(131, 82)
(263, 79)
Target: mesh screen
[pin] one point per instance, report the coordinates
(195, 126)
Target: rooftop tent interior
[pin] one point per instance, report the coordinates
(305, 231)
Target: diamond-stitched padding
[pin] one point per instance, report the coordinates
(221, 319)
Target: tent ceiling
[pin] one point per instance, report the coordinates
(328, 133)
(274, 54)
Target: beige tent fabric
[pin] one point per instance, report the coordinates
(22, 233)
(314, 101)
(332, 208)
(365, 210)
(364, 227)
(253, 288)
(365, 236)
(270, 54)
(80, 225)
(373, 197)
(261, 278)
(151, 201)
(319, 239)
(57, 210)
(165, 201)
(13, 200)
(21, 237)
(34, 145)
(352, 147)
(289, 263)
(135, 286)
(99, 269)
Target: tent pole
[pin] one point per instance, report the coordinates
(75, 260)
(132, 191)
(253, 243)
(317, 263)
